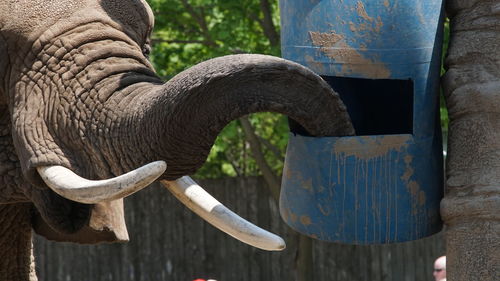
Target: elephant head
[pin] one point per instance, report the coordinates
(83, 100)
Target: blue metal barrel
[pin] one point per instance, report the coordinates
(383, 58)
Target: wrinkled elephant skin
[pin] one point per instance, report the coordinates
(77, 91)
(471, 207)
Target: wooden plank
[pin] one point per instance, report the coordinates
(169, 242)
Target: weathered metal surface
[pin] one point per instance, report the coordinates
(365, 39)
(361, 190)
(376, 188)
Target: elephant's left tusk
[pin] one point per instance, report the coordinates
(66, 183)
(203, 204)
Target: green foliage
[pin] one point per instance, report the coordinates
(231, 155)
(190, 31)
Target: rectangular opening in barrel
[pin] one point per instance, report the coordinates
(376, 106)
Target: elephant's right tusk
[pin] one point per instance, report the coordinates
(66, 183)
(203, 204)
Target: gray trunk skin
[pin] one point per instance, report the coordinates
(471, 207)
(16, 259)
(80, 92)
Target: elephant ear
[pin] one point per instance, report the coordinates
(106, 224)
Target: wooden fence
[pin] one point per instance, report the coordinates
(168, 242)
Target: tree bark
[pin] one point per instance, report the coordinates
(200, 19)
(471, 207)
(17, 262)
(304, 259)
(267, 23)
(256, 148)
(304, 256)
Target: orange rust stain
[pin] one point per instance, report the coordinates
(422, 198)
(417, 194)
(335, 47)
(284, 215)
(305, 220)
(378, 24)
(414, 188)
(386, 3)
(370, 23)
(323, 211)
(366, 148)
(307, 184)
(288, 215)
(353, 27)
(315, 65)
(360, 9)
(373, 26)
(326, 40)
(409, 170)
(408, 159)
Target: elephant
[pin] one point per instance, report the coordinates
(471, 85)
(85, 121)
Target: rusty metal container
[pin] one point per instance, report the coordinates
(383, 58)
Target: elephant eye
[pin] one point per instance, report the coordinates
(146, 50)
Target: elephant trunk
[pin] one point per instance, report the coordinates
(178, 122)
(189, 111)
(95, 106)
(471, 208)
(17, 262)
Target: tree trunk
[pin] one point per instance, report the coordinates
(304, 259)
(304, 256)
(16, 248)
(471, 208)
(267, 23)
(255, 146)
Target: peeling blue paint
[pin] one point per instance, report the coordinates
(375, 188)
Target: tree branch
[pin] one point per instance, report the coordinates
(304, 258)
(234, 163)
(255, 146)
(267, 23)
(275, 150)
(304, 254)
(200, 19)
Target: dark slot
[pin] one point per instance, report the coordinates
(376, 106)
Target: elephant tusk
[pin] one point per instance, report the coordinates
(203, 204)
(66, 183)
